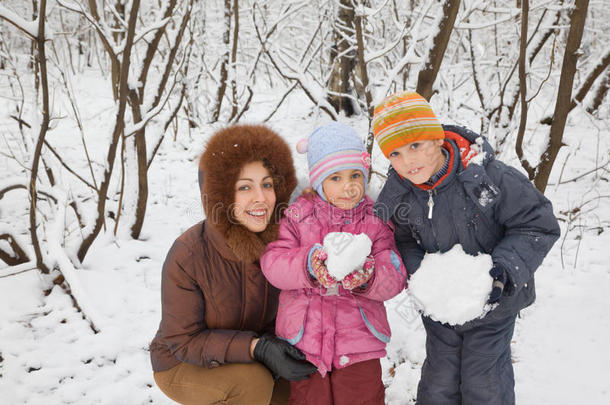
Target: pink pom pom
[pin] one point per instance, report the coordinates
(302, 145)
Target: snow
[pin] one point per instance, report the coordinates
(346, 252)
(30, 27)
(486, 197)
(452, 287)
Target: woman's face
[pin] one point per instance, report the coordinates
(254, 197)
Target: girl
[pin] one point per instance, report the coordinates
(340, 326)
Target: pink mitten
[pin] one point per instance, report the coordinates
(359, 276)
(320, 271)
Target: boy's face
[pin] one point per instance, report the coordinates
(344, 189)
(418, 161)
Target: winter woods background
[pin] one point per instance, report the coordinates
(106, 105)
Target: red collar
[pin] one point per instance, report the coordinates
(465, 155)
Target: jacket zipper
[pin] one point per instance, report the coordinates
(430, 208)
(430, 204)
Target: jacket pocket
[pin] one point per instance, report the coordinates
(375, 318)
(292, 309)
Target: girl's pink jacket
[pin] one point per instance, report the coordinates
(332, 330)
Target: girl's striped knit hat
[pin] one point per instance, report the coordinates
(331, 148)
(403, 118)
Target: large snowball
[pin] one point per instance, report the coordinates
(346, 252)
(452, 287)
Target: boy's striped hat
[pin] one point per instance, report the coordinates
(403, 118)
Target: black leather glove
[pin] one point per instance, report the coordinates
(500, 278)
(282, 359)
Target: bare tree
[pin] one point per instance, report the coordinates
(224, 65)
(122, 93)
(427, 75)
(342, 58)
(564, 93)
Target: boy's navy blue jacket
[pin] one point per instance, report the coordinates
(486, 207)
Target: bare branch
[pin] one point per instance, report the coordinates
(27, 27)
(19, 257)
(68, 168)
(525, 9)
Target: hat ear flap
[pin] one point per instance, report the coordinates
(302, 145)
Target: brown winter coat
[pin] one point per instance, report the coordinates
(214, 297)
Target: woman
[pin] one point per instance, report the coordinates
(218, 310)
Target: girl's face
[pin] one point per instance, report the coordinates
(254, 197)
(344, 189)
(418, 161)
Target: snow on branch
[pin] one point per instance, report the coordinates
(361, 10)
(313, 92)
(28, 27)
(100, 26)
(132, 129)
(387, 49)
(151, 27)
(57, 255)
(408, 58)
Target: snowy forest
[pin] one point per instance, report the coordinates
(106, 105)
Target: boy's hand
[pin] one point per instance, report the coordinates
(500, 278)
(320, 272)
(360, 276)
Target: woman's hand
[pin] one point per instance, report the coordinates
(281, 358)
(252, 346)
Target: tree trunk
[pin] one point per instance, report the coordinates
(41, 60)
(427, 76)
(135, 101)
(342, 57)
(564, 94)
(600, 93)
(118, 130)
(234, 107)
(364, 81)
(142, 161)
(224, 70)
(597, 70)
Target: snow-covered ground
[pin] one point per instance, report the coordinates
(50, 355)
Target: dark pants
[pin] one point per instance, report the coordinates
(469, 367)
(358, 384)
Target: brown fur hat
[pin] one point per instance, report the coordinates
(227, 151)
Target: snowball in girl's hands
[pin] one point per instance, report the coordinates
(346, 252)
(452, 287)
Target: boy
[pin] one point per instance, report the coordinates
(445, 188)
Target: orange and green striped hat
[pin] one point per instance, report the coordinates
(403, 118)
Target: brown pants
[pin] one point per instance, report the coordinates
(234, 384)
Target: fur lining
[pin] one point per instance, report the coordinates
(226, 153)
